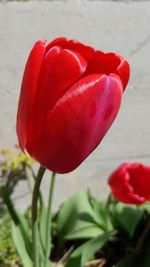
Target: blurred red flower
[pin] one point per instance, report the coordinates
(130, 183)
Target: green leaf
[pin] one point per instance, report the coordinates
(145, 207)
(20, 245)
(17, 218)
(25, 231)
(78, 213)
(102, 213)
(85, 233)
(9, 204)
(128, 217)
(7, 247)
(86, 251)
(42, 230)
(42, 223)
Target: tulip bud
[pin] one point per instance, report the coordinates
(70, 96)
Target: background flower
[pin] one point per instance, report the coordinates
(130, 183)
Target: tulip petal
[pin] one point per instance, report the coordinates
(109, 63)
(138, 174)
(67, 69)
(46, 68)
(60, 41)
(86, 51)
(37, 115)
(28, 90)
(128, 198)
(123, 71)
(78, 122)
(103, 63)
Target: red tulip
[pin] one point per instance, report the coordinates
(70, 96)
(130, 183)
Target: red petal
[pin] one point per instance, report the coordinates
(37, 115)
(103, 63)
(66, 70)
(28, 90)
(128, 198)
(107, 63)
(78, 122)
(86, 51)
(61, 41)
(45, 71)
(140, 179)
(124, 72)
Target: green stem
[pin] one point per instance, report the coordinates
(108, 201)
(49, 221)
(35, 216)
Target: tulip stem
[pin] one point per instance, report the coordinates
(35, 197)
(48, 239)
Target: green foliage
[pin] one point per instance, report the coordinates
(20, 230)
(8, 253)
(21, 246)
(106, 225)
(14, 166)
(87, 225)
(128, 217)
(86, 251)
(82, 217)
